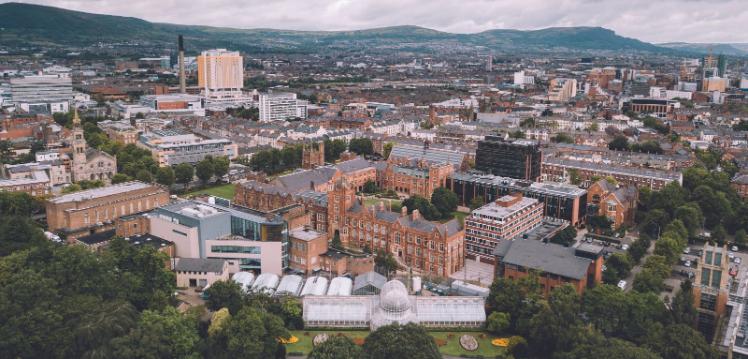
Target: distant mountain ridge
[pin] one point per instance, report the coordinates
(23, 24)
(714, 48)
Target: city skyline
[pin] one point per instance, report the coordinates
(695, 21)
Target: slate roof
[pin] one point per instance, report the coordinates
(353, 165)
(200, 265)
(298, 181)
(92, 153)
(430, 155)
(545, 257)
(740, 179)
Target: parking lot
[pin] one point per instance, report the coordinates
(689, 264)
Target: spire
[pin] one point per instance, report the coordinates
(76, 119)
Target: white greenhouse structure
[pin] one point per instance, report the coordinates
(266, 283)
(394, 305)
(244, 279)
(340, 286)
(290, 285)
(315, 286)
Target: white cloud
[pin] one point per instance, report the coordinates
(648, 20)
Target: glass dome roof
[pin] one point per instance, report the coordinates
(394, 297)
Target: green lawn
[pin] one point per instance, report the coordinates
(459, 215)
(304, 345)
(451, 348)
(373, 201)
(224, 191)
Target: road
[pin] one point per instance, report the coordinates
(638, 268)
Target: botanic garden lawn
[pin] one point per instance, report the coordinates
(450, 342)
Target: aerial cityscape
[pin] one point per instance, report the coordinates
(371, 179)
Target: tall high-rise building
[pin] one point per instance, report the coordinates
(562, 89)
(220, 70)
(515, 159)
(721, 65)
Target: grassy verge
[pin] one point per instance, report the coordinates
(223, 190)
(450, 342)
(395, 203)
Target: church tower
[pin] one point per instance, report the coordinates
(79, 142)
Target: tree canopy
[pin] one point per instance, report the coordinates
(400, 341)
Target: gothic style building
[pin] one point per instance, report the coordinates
(313, 155)
(427, 247)
(89, 163)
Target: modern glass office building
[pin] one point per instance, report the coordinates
(248, 239)
(518, 159)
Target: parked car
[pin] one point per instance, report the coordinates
(687, 264)
(622, 284)
(625, 247)
(687, 250)
(737, 260)
(734, 248)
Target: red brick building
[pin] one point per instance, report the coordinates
(425, 246)
(616, 203)
(556, 265)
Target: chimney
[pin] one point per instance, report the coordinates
(415, 215)
(403, 211)
(182, 80)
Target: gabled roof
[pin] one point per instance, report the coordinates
(353, 165)
(92, 153)
(429, 155)
(301, 180)
(373, 279)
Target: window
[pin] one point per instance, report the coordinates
(705, 274)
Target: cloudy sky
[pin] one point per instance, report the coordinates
(648, 20)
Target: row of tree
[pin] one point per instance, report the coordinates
(604, 322)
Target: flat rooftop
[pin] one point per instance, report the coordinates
(305, 234)
(112, 190)
(496, 210)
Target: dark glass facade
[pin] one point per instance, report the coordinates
(555, 205)
(518, 159)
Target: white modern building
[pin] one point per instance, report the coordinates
(42, 93)
(171, 147)
(175, 104)
(393, 305)
(279, 106)
(248, 240)
(522, 79)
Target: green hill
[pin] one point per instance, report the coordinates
(23, 24)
